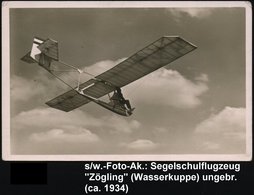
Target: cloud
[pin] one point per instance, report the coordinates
(46, 119)
(41, 86)
(141, 144)
(47, 126)
(202, 77)
(229, 121)
(168, 88)
(23, 89)
(71, 135)
(191, 12)
(102, 66)
(116, 124)
(225, 129)
(160, 130)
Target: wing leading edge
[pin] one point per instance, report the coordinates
(156, 55)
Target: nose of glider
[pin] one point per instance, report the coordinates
(129, 112)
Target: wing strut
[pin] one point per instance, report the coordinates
(80, 72)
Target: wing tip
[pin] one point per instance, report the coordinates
(177, 36)
(27, 58)
(189, 42)
(171, 36)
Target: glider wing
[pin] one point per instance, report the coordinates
(154, 56)
(72, 99)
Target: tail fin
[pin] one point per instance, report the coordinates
(42, 52)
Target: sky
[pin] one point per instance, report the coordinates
(195, 105)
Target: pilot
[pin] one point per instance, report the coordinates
(118, 96)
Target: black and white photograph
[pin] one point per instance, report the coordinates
(127, 81)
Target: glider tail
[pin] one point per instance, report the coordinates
(42, 52)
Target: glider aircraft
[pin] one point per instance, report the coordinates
(154, 56)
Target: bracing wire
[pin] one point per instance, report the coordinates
(63, 71)
(77, 70)
(69, 65)
(62, 80)
(64, 77)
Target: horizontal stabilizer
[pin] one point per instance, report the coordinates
(28, 59)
